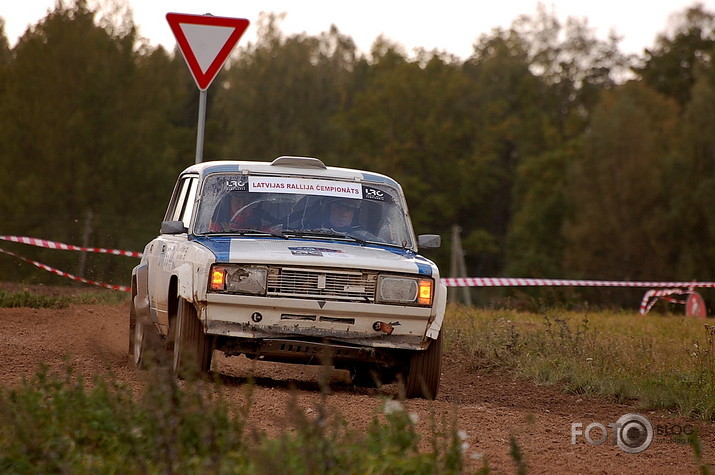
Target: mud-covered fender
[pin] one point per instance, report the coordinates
(440, 304)
(185, 276)
(141, 291)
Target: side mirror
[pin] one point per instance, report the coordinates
(429, 241)
(173, 227)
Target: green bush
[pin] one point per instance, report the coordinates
(62, 424)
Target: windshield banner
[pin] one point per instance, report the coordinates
(304, 186)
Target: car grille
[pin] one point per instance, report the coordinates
(326, 284)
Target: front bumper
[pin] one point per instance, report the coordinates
(353, 323)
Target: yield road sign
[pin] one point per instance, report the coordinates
(205, 41)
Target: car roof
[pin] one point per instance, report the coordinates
(288, 165)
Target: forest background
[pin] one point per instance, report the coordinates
(557, 155)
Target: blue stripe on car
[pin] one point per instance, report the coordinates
(219, 246)
(424, 266)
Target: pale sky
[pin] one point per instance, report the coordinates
(447, 25)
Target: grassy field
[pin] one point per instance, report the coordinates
(664, 361)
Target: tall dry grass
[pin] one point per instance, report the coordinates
(663, 361)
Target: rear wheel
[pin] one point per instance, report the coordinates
(425, 371)
(144, 342)
(192, 346)
(132, 323)
(147, 345)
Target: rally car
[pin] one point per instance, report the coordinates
(291, 261)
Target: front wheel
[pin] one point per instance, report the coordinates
(425, 371)
(192, 347)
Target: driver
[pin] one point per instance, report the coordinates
(235, 212)
(341, 214)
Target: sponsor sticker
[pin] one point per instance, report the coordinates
(304, 186)
(236, 185)
(370, 193)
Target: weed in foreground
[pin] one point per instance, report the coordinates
(63, 424)
(515, 453)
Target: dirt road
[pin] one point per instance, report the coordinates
(489, 408)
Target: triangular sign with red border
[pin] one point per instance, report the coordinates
(205, 41)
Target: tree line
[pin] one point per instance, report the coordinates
(556, 154)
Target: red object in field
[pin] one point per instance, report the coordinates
(695, 306)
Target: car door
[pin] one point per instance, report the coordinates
(161, 259)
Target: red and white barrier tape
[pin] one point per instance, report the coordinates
(447, 281)
(42, 266)
(527, 282)
(653, 295)
(67, 247)
(649, 299)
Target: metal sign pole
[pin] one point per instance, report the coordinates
(200, 38)
(201, 127)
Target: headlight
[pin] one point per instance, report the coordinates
(404, 290)
(238, 279)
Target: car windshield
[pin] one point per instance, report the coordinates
(305, 207)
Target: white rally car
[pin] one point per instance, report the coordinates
(291, 261)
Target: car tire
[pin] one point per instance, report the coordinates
(193, 347)
(132, 324)
(424, 372)
(147, 345)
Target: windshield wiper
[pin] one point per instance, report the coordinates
(249, 231)
(324, 232)
(358, 240)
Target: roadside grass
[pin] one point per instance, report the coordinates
(663, 361)
(59, 423)
(32, 300)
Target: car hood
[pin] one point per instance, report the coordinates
(313, 253)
